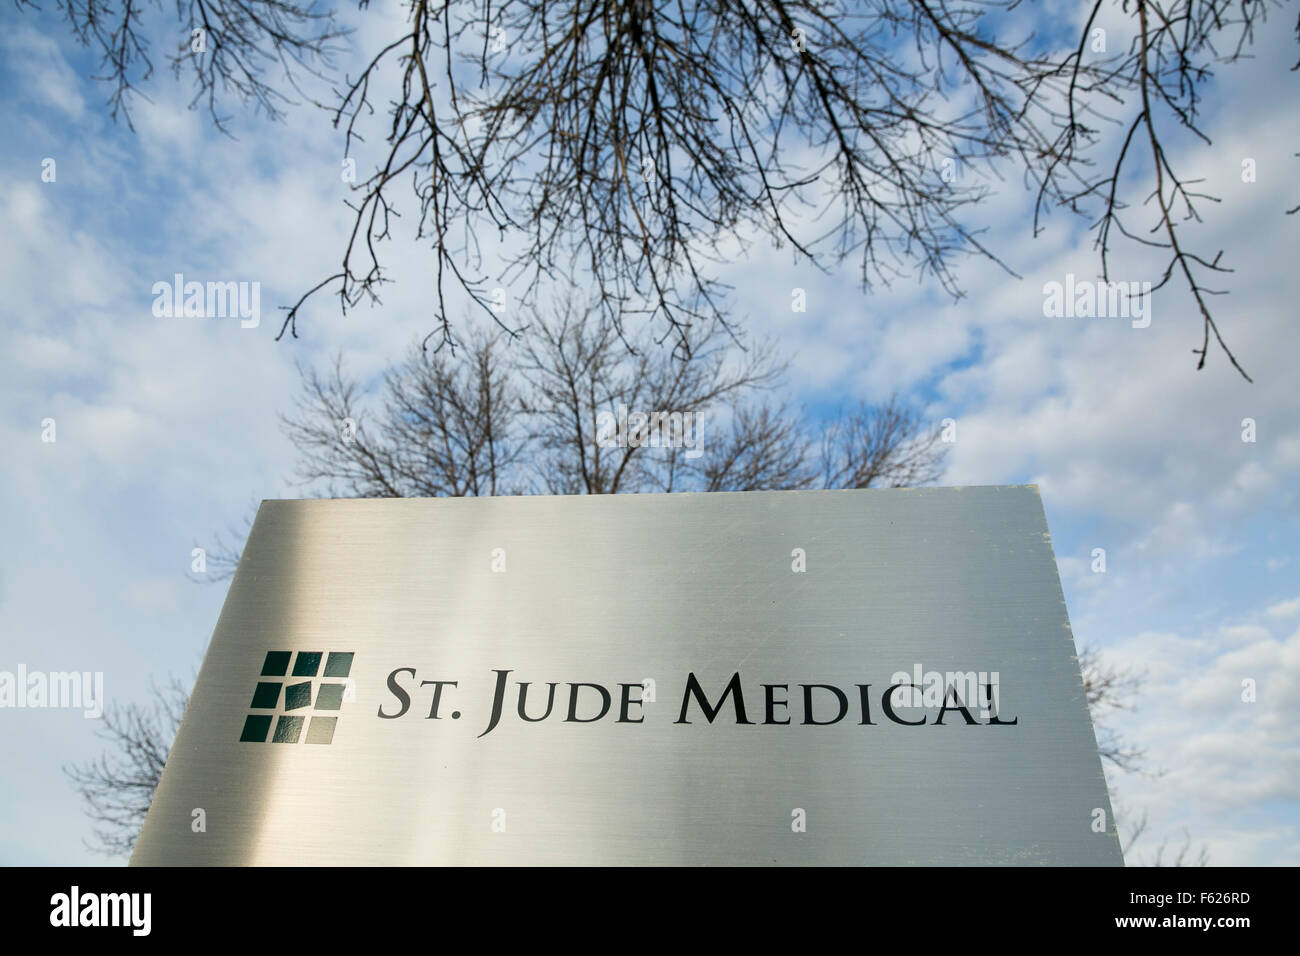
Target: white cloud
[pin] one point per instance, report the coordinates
(46, 75)
(1285, 608)
(1217, 753)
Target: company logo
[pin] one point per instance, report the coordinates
(293, 704)
(298, 705)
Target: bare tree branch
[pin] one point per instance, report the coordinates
(637, 144)
(1108, 689)
(118, 787)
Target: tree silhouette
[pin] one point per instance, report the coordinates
(638, 143)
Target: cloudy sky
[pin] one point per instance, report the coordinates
(167, 428)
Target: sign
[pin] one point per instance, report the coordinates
(811, 677)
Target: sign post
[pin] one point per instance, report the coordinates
(834, 677)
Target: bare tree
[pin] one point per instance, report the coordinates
(580, 367)
(887, 445)
(1184, 856)
(640, 141)
(1107, 690)
(119, 786)
(764, 448)
(450, 426)
(537, 414)
(224, 46)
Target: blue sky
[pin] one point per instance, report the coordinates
(167, 429)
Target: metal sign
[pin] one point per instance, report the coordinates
(838, 677)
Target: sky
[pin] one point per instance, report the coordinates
(167, 429)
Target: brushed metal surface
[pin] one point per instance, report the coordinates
(623, 588)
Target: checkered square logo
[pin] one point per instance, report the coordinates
(292, 692)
